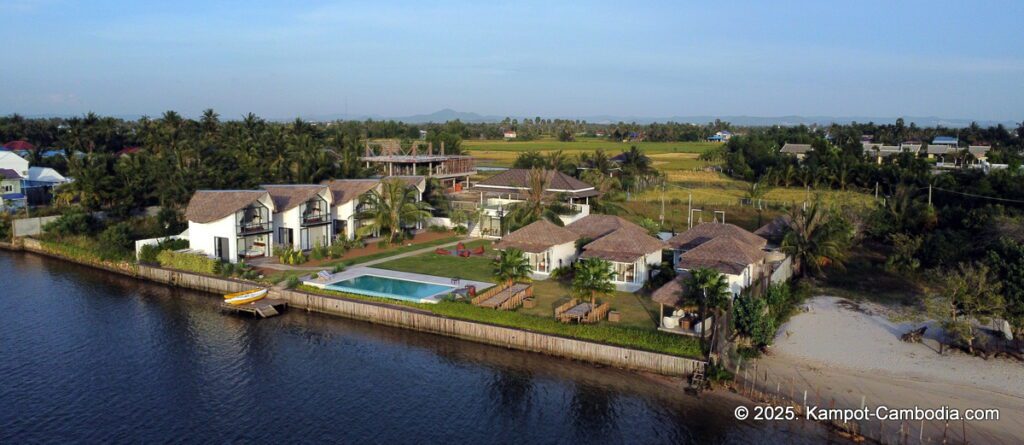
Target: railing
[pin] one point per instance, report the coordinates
(253, 227)
(314, 218)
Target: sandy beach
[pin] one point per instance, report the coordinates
(852, 352)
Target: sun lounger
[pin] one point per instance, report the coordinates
(440, 251)
(478, 250)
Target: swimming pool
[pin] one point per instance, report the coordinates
(398, 289)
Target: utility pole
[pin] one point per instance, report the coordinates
(876, 190)
(929, 195)
(662, 216)
(689, 210)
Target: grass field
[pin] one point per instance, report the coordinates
(711, 188)
(666, 155)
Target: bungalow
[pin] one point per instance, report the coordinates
(727, 248)
(40, 182)
(980, 152)
(940, 150)
(304, 210)
(946, 140)
(512, 186)
(884, 151)
(231, 224)
(911, 146)
(546, 245)
(630, 250)
(798, 150)
(509, 134)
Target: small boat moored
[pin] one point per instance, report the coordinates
(246, 296)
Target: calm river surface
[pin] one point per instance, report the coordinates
(87, 356)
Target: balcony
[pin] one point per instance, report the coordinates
(253, 227)
(315, 218)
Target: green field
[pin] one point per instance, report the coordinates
(665, 155)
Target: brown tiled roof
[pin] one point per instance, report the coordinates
(411, 181)
(624, 245)
(724, 254)
(594, 226)
(671, 293)
(705, 232)
(775, 228)
(537, 237)
(211, 205)
(520, 178)
(287, 197)
(345, 190)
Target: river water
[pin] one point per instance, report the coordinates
(89, 356)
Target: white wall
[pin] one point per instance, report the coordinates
(288, 219)
(201, 236)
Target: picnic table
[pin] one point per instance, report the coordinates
(578, 312)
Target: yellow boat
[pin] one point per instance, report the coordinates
(246, 296)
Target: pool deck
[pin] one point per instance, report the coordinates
(359, 271)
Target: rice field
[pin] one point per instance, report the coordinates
(671, 155)
(711, 188)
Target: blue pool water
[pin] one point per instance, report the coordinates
(389, 288)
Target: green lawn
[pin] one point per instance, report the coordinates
(637, 311)
(608, 333)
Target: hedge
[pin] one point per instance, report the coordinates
(188, 262)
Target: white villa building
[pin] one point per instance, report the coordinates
(347, 197)
(546, 245)
(231, 224)
(497, 193)
(302, 215)
(727, 248)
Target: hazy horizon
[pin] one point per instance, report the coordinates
(279, 60)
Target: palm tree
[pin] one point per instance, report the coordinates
(535, 206)
(510, 266)
(711, 289)
(815, 239)
(391, 209)
(592, 276)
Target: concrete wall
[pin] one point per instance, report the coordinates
(783, 272)
(31, 226)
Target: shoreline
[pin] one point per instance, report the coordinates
(407, 318)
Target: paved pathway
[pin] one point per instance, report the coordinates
(277, 266)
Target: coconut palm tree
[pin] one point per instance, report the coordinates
(535, 206)
(592, 276)
(711, 290)
(390, 209)
(815, 239)
(510, 266)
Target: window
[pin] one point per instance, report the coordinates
(8, 188)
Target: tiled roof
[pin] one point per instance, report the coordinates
(537, 237)
(941, 149)
(724, 254)
(624, 245)
(979, 150)
(671, 293)
(705, 232)
(519, 178)
(775, 229)
(211, 205)
(345, 190)
(19, 145)
(289, 196)
(7, 173)
(594, 226)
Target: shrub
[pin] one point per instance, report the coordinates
(71, 224)
(115, 242)
(293, 282)
(148, 253)
(437, 229)
(338, 268)
(460, 230)
(336, 250)
(5, 228)
(319, 252)
(189, 262)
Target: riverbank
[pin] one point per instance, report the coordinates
(408, 318)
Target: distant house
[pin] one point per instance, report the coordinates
(946, 140)
(11, 161)
(798, 150)
(720, 136)
(302, 215)
(884, 151)
(911, 146)
(19, 146)
(980, 152)
(12, 201)
(545, 245)
(509, 134)
(600, 133)
(10, 181)
(423, 135)
(231, 224)
(128, 151)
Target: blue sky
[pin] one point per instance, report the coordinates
(283, 59)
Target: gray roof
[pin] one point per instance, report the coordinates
(795, 148)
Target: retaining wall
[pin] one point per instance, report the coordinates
(411, 318)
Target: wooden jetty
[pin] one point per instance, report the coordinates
(263, 308)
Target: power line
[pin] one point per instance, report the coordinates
(973, 195)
